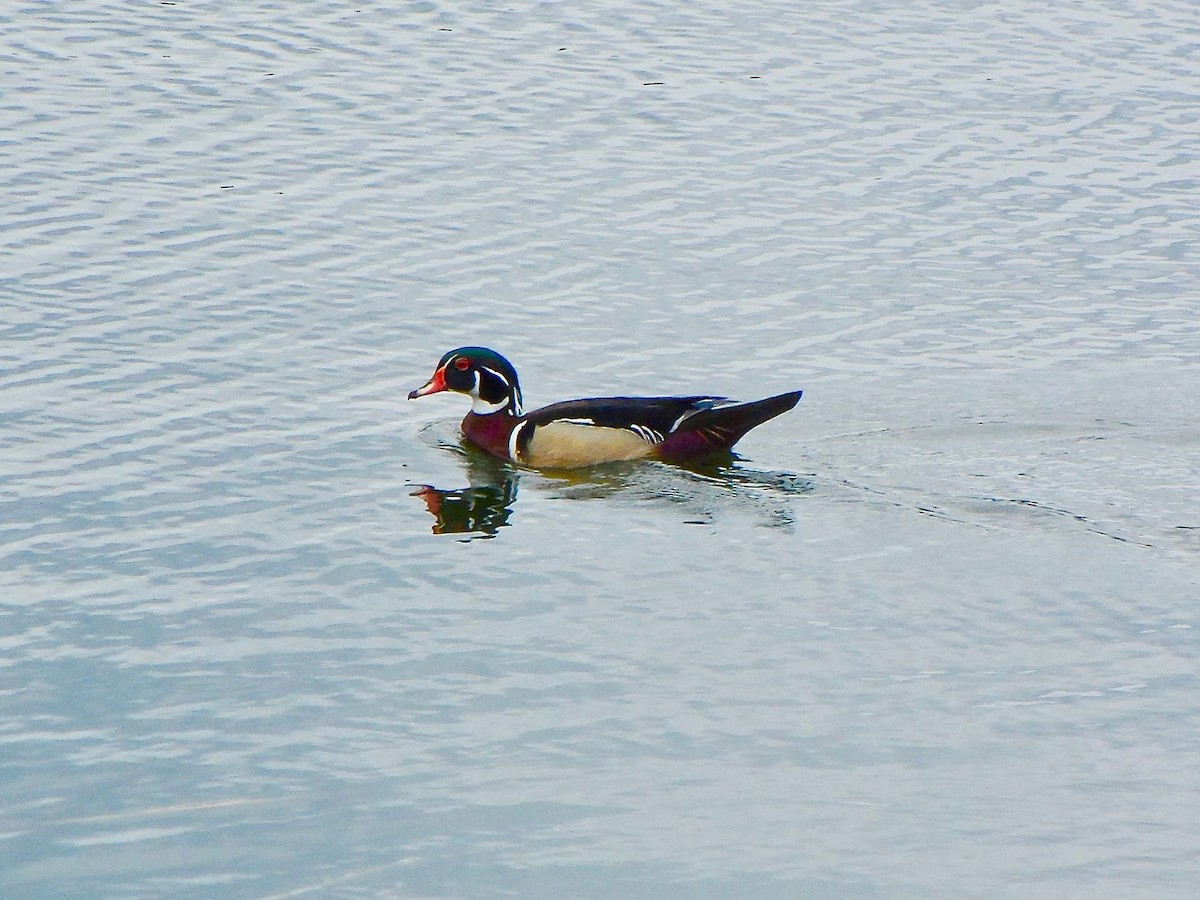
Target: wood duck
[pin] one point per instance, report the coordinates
(589, 432)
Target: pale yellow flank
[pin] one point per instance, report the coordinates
(563, 445)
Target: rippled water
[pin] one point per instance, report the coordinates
(267, 630)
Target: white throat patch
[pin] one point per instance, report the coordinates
(483, 408)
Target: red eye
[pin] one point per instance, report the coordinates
(462, 364)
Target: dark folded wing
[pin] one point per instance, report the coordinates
(651, 417)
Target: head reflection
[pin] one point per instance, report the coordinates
(480, 509)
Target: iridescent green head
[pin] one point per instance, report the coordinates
(482, 374)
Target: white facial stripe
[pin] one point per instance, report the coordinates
(482, 407)
(494, 372)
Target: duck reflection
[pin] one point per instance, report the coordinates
(481, 508)
(486, 504)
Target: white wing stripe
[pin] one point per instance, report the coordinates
(700, 406)
(649, 435)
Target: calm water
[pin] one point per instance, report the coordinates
(934, 634)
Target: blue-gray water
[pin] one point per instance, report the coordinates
(933, 635)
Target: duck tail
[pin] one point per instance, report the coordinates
(716, 430)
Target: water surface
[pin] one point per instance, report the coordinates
(268, 630)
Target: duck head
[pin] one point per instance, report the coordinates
(482, 374)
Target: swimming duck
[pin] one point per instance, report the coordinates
(589, 432)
